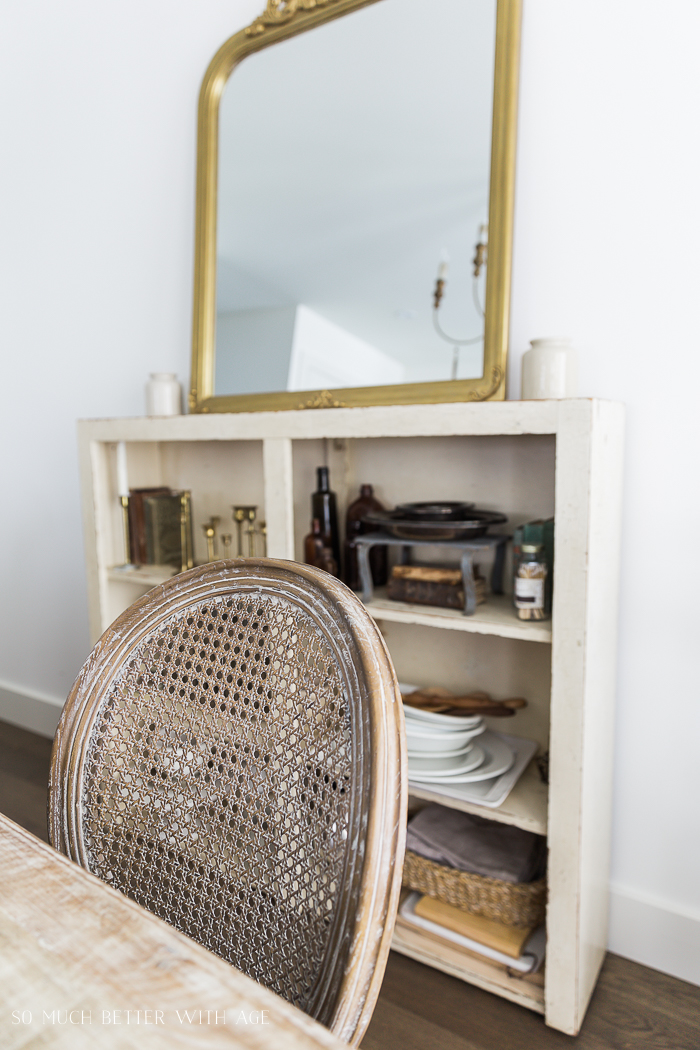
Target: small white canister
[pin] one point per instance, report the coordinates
(549, 370)
(163, 395)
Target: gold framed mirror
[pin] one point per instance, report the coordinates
(339, 174)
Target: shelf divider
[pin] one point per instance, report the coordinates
(279, 497)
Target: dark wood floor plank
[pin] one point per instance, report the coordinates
(630, 981)
(24, 753)
(633, 1007)
(25, 803)
(488, 1021)
(24, 776)
(392, 1026)
(630, 1010)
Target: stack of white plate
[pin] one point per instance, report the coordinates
(446, 749)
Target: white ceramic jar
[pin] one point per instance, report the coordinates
(549, 370)
(163, 395)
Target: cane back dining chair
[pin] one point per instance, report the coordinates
(231, 757)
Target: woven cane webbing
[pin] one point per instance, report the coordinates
(217, 780)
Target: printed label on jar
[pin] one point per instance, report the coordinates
(529, 594)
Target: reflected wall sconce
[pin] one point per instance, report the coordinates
(478, 262)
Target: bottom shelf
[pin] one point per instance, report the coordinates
(443, 955)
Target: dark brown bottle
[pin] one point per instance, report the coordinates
(323, 508)
(313, 544)
(354, 527)
(315, 551)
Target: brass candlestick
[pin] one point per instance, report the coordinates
(209, 529)
(186, 552)
(226, 538)
(127, 535)
(239, 518)
(252, 511)
(263, 533)
(240, 514)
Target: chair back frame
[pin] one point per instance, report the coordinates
(358, 943)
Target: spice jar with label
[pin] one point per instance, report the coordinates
(529, 583)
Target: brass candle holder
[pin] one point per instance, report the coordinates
(263, 533)
(226, 538)
(252, 511)
(126, 535)
(125, 524)
(186, 543)
(209, 529)
(239, 518)
(241, 514)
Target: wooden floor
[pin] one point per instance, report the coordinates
(24, 776)
(633, 1008)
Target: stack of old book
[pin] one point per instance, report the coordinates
(477, 884)
(432, 585)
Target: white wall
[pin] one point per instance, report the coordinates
(98, 109)
(607, 250)
(97, 118)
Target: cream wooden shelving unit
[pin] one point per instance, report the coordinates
(530, 459)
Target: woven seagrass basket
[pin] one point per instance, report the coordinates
(512, 903)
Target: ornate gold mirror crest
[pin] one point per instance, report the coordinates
(279, 12)
(282, 20)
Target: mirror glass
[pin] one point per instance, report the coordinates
(353, 167)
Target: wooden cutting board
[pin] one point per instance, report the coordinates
(507, 939)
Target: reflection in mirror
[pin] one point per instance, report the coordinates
(353, 171)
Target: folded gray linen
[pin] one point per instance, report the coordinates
(474, 844)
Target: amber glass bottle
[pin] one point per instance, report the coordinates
(323, 508)
(313, 544)
(355, 526)
(315, 551)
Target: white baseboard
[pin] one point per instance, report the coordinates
(40, 714)
(655, 933)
